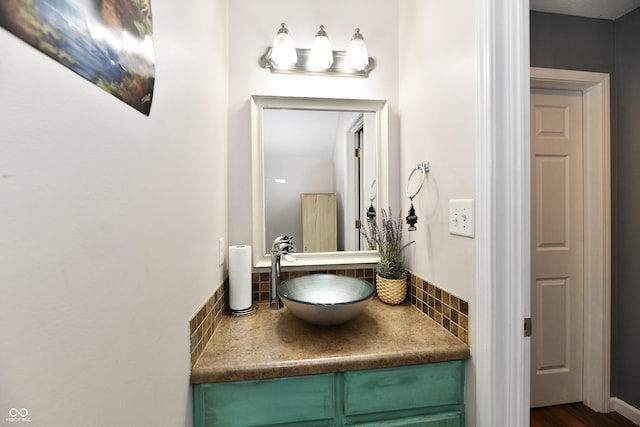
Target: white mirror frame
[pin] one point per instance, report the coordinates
(258, 104)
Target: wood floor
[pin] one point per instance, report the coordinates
(576, 415)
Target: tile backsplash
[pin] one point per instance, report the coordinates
(205, 321)
(445, 308)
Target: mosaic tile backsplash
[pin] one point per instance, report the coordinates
(445, 308)
(205, 321)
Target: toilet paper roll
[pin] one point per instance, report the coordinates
(239, 277)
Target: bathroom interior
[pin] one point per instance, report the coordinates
(112, 221)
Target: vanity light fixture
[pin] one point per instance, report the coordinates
(321, 56)
(283, 57)
(284, 52)
(357, 56)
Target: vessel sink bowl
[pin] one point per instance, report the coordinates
(325, 299)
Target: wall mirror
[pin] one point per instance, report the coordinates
(318, 166)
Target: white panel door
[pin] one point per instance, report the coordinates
(556, 247)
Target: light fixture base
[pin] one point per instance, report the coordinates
(338, 67)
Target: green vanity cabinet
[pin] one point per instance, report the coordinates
(449, 419)
(300, 400)
(429, 395)
(402, 394)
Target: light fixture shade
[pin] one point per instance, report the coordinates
(321, 56)
(357, 56)
(283, 52)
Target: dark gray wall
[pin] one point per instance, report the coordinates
(626, 292)
(567, 42)
(571, 43)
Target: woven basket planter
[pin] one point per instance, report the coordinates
(391, 291)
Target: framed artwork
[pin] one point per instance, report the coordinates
(108, 42)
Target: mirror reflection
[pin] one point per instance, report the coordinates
(319, 177)
(318, 165)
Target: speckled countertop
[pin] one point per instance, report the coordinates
(274, 343)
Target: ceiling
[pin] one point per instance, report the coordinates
(603, 9)
(306, 132)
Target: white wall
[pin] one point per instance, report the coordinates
(282, 200)
(341, 174)
(437, 87)
(438, 108)
(253, 25)
(109, 223)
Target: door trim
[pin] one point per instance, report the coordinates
(349, 212)
(498, 372)
(597, 224)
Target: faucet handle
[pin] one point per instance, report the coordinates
(287, 248)
(281, 243)
(283, 238)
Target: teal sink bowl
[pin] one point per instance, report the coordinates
(326, 299)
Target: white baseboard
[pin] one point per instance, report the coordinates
(626, 410)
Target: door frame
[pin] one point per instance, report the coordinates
(499, 369)
(349, 210)
(597, 224)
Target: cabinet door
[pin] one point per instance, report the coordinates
(411, 387)
(448, 419)
(266, 402)
(319, 223)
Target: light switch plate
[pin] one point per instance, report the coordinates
(462, 217)
(221, 252)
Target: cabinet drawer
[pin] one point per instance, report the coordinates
(448, 419)
(265, 402)
(410, 387)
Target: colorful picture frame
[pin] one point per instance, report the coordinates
(108, 42)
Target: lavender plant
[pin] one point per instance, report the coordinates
(387, 239)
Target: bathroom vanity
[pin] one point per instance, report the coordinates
(391, 366)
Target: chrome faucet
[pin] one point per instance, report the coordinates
(282, 245)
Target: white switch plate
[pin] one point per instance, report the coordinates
(462, 217)
(221, 252)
